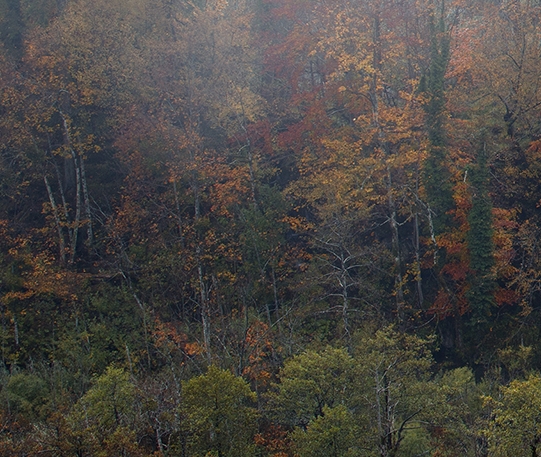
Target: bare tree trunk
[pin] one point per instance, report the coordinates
(205, 307)
(345, 300)
(77, 220)
(252, 173)
(399, 286)
(89, 228)
(144, 314)
(61, 243)
(64, 204)
(418, 278)
(15, 331)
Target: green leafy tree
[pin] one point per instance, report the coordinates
(394, 371)
(515, 429)
(455, 423)
(333, 434)
(219, 418)
(311, 382)
(102, 421)
(109, 402)
(379, 396)
(25, 394)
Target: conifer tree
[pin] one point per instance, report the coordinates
(480, 241)
(437, 176)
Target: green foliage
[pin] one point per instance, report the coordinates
(416, 442)
(394, 371)
(455, 420)
(378, 396)
(516, 428)
(480, 241)
(436, 174)
(102, 421)
(219, 416)
(25, 394)
(110, 401)
(311, 381)
(333, 434)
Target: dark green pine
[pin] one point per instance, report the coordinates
(480, 241)
(436, 174)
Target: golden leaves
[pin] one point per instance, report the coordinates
(43, 277)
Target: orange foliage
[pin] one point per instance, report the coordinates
(274, 440)
(259, 345)
(169, 339)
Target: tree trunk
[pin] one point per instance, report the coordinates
(77, 220)
(64, 204)
(89, 228)
(61, 243)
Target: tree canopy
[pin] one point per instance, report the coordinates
(269, 227)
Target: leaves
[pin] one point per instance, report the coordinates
(515, 429)
(219, 415)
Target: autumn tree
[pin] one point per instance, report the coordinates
(351, 133)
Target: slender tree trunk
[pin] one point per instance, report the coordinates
(88, 211)
(64, 204)
(15, 331)
(345, 300)
(145, 325)
(77, 220)
(159, 441)
(399, 287)
(205, 306)
(251, 170)
(61, 243)
(417, 234)
(275, 291)
(418, 277)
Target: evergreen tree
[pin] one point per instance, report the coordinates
(480, 242)
(437, 177)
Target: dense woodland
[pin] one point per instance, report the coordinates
(270, 228)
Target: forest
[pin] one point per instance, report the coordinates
(272, 228)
